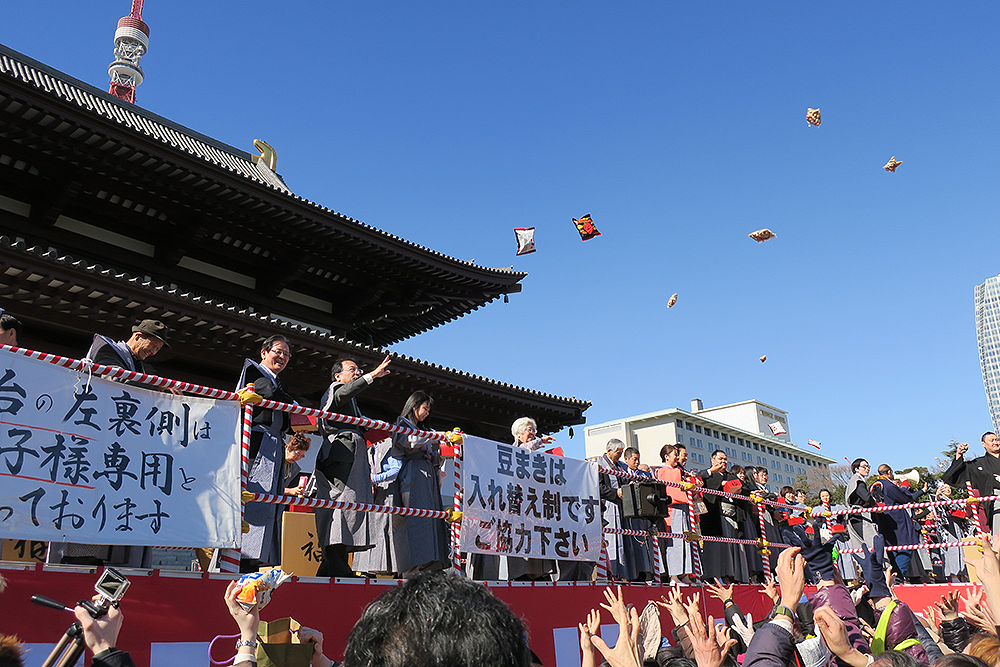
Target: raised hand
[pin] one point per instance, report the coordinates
(709, 649)
(719, 591)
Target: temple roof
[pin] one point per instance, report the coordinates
(127, 188)
(110, 214)
(209, 340)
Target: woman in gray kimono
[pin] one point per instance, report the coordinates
(405, 474)
(859, 526)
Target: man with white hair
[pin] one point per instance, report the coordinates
(611, 495)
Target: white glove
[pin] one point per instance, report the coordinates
(745, 631)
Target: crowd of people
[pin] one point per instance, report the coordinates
(441, 618)
(405, 471)
(787, 518)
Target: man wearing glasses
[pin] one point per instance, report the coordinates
(342, 469)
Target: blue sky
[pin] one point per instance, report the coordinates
(681, 128)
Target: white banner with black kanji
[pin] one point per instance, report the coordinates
(93, 461)
(529, 504)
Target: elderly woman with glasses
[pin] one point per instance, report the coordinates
(860, 527)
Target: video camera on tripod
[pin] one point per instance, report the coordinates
(110, 587)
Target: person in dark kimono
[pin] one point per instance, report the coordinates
(261, 546)
(343, 470)
(895, 525)
(720, 559)
(638, 549)
(984, 473)
(405, 474)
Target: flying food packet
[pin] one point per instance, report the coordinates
(525, 240)
(813, 117)
(586, 228)
(762, 235)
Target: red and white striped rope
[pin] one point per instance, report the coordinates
(693, 521)
(675, 536)
(975, 512)
(856, 510)
(273, 499)
(456, 536)
(210, 392)
(908, 547)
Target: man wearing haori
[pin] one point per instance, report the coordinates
(611, 494)
(984, 473)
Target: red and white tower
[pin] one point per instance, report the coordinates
(131, 43)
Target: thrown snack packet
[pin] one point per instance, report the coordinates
(256, 587)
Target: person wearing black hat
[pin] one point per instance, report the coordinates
(148, 337)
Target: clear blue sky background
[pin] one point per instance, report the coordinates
(681, 128)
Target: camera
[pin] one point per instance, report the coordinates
(111, 587)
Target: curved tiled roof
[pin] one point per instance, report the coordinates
(180, 138)
(101, 137)
(53, 257)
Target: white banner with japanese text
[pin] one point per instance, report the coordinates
(529, 504)
(93, 461)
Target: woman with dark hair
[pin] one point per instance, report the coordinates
(405, 474)
(677, 555)
(261, 546)
(860, 527)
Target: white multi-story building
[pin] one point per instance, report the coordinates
(742, 430)
(988, 334)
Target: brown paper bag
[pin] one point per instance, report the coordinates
(279, 646)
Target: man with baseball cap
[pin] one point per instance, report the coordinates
(148, 336)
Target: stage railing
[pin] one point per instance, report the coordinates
(229, 559)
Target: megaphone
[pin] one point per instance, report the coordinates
(913, 477)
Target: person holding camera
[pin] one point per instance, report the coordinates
(101, 636)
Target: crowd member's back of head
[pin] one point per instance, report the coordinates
(896, 659)
(959, 660)
(437, 619)
(985, 647)
(11, 650)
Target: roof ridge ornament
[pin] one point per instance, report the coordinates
(268, 156)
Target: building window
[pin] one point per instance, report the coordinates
(740, 440)
(715, 434)
(680, 423)
(755, 446)
(796, 457)
(725, 438)
(697, 429)
(699, 444)
(770, 451)
(688, 426)
(692, 441)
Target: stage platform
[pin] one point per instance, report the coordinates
(171, 616)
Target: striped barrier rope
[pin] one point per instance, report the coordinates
(456, 536)
(251, 497)
(114, 372)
